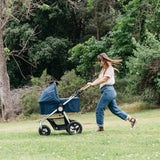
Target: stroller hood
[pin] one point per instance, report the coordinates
(50, 95)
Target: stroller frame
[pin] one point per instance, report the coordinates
(71, 126)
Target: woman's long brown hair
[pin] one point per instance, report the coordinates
(108, 61)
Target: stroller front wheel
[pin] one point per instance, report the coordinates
(74, 128)
(44, 131)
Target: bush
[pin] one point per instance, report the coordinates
(120, 87)
(43, 80)
(69, 83)
(90, 98)
(29, 102)
(84, 55)
(143, 76)
(151, 96)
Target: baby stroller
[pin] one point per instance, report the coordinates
(50, 104)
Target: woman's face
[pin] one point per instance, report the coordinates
(102, 63)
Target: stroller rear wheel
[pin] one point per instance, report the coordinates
(74, 128)
(44, 131)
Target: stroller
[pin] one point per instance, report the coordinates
(50, 104)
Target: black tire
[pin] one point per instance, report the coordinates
(74, 128)
(45, 130)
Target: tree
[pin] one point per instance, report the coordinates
(84, 55)
(51, 53)
(137, 16)
(17, 10)
(144, 69)
(59, 27)
(103, 16)
(8, 10)
(19, 38)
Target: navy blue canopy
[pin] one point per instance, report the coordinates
(50, 95)
(50, 101)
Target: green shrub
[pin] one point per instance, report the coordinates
(90, 98)
(69, 83)
(43, 80)
(143, 76)
(84, 55)
(122, 95)
(29, 102)
(121, 84)
(150, 96)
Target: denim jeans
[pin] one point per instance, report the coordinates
(108, 99)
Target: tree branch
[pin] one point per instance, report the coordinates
(15, 18)
(25, 60)
(19, 67)
(73, 4)
(7, 19)
(25, 45)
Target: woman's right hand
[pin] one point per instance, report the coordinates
(89, 83)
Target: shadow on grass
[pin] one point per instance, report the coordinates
(64, 133)
(83, 134)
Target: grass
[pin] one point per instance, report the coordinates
(21, 141)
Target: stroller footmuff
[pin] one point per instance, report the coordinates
(50, 104)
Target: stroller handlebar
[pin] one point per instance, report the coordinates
(81, 90)
(85, 87)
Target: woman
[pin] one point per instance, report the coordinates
(108, 98)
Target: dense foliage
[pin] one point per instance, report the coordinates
(60, 36)
(140, 56)
(85, 55)
(42, 39)
(144, 69)
(29, 102)
(29, 99)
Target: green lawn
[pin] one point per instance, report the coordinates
(21, 141)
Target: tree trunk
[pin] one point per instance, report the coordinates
(98, 33)
(97, 22)
(5, 94)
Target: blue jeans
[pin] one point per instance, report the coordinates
(108, 99)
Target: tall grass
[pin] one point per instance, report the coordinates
(21, 141)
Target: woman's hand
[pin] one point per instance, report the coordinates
(98, 81)
(90, 84)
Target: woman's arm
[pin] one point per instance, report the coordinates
(98, 81)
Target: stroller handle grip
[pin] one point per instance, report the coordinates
(81, 90)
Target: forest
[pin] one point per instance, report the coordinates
(59, 40)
